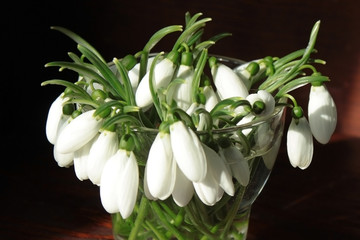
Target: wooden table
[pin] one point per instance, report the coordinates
(42, 201)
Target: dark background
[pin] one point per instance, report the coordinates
(116, 28)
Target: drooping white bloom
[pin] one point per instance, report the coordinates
(218, 179)
(119, 183)
(182, 92)
(78, 132)
(183, 190)
(208, 190)
(163, 72)
(219, 171)
(128, 185)
(55, 119)
(300, 143)
(227, 83)
(237, 164)
(105, 146)
(80, 160)
(135, 71)
(188, 152)
(160, 167)
(264, 97)
(63, 159)
(322, 113)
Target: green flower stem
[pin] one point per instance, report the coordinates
(157, 233)
(233, 212)
(143, 209)
(155, 206)
(195, 220)
(294, 70)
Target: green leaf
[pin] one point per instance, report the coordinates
(198, 72)
(189, 32)
(104, 70)
(300, 82)
(79, 40)
(159, 35)
(83, 70)
(130, 96)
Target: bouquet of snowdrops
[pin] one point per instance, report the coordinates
(178, 94)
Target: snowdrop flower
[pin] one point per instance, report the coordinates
(227, 83)
(237, 164)
(300, 143)
(63, 159)
(163, 73)
(135, 71)
(183, 189)
(264, 97)
(322, 113)
(55, 118)
(101, 150)
(188, 151)
(182, 92)
(78, 132)
(218, 179)
(119, 183)
(160, 167)
(211, 98)
(80, 160)
(219, 171)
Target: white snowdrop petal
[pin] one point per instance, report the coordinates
(128, 186)
(105, 146)
(80, 160)
(53, 119)
(228, 83)
(322, 114)
(238, 165)
(109, 183)
(300, 143)
(188, 152)
(78, 132)
(211, 98)
(182, 92)
(163, 73)
(207, 190)
(63, 159)
(219, 171)
(160, 167)
(183, 190)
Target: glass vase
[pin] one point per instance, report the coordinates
(258, 141)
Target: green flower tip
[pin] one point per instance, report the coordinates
(297, 112)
